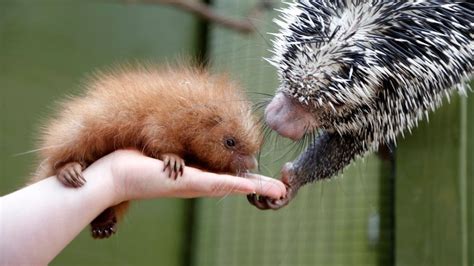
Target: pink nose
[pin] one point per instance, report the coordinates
(287, 118)
(250, 162)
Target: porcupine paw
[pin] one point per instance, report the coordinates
(70, 174)
(104, 225)
(174, 164)
(267, 203)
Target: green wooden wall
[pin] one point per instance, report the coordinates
(46, 48)
(435, 188)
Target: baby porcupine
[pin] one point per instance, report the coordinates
(362, 72)
(177, 114)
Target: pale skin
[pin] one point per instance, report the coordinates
(38, 221)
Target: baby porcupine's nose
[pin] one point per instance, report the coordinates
(250, 162)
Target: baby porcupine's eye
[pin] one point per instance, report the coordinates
(230, 142)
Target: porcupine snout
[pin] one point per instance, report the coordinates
(243, 163)
(288, 118)
(250, 162)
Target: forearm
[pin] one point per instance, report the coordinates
(37, 222)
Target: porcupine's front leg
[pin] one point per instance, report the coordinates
(105, 225)
(70, 174)
(326, 157)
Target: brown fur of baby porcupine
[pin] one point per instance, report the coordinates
(202, 119)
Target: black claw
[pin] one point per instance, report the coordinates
(79, 177)
(102, 233)
(104, 230)
(258, 201)
(262, 205)
(266, 203)
(251, 197)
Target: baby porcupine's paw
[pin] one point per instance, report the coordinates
(174, 164)
(70, 174)
(292, 187)
(104, 225)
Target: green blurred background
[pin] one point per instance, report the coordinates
(415, 207)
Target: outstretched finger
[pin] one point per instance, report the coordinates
(221, 185)
(265, 183)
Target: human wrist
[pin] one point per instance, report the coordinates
(126, 168)
(102, 175)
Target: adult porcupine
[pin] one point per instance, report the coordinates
(362, 72)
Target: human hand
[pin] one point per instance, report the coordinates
(136, 176)
(120, 176)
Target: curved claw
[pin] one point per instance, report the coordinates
(70, 174)
(104, 231)
(277, 204)
(258, 201)
(267, 203)
(104, 225)
(174, 164)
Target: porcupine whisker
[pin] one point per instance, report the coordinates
(258, 127)
(227, 192)
(256, 29)
(41, 165)
(261, 122)
(262, 103)
(146, 145)
(269, 137)
(261, 93)
(259, 152)
(288, 151)
(37, 150)
(257, 109)
(299, 145)
(273, 140)
(269, 171)
(247, 172)
(259, 161)
(263, 38)
(206, 106)
(229, 54)
(230, 190)
(303, 143)
(225, 195)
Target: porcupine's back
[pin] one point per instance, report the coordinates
(374, 68)
(143, 107)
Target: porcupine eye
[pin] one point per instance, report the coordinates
(230, 142)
